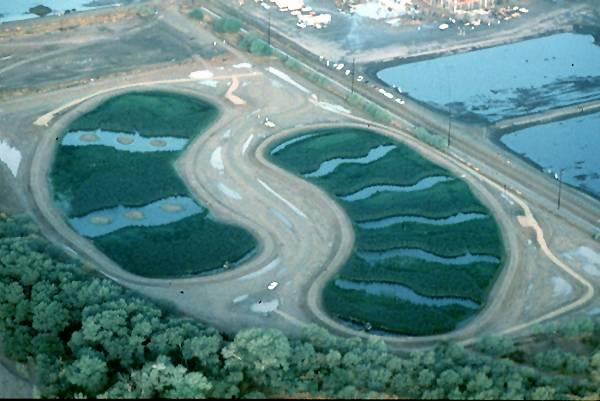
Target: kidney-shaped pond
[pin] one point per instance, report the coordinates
(427, 250)
(114, 179)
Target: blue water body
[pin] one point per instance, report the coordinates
(516, 79)
(466, 259)
(573, 145)
(390, 221)
(369, 191)
(328, 166)
(403, 293)
(154, 214)
(14, 10)
(139, 143)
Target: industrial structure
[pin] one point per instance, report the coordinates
(466, 5)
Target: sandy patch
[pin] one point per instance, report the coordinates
(230, 193)
(236, 100)
(158, 143)
(171, 207)
(242, 65)
(561, 287)
(265, 306)
(101, 220)
(272, 265)
(216, 160)
(285, 77)
(125, 140)
(202, 74)
(89, 138)
(240, 298)
(135, 215)
(209, 82)
(589, 258)
(10, 156)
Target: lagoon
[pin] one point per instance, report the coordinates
(505, 81)
(572, 145)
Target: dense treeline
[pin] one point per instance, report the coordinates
(87, 336)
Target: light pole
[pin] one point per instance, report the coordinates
(560, 186)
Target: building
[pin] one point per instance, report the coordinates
(466, 5)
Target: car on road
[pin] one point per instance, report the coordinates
(272, 285)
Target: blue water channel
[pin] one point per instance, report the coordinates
(124, 141)
(572, 145)
(164, 211)
(403, 293)
(510, 80)
(390, 221)
(329, 166)
(369, 191)
(373, 257)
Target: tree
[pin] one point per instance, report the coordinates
(227, 25)
(197, 13)
(89, 373)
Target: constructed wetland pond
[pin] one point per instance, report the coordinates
(114, 179)
(427, 251)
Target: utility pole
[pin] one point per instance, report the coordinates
(449, 125)
(353, 72)
(269, 30)
(559, 186)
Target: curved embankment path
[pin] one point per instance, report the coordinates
(304, 236)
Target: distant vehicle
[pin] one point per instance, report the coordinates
(359, 78)
(273, 285)
(301, 25)
(265, 6)
(443, 27)
(348, 72)
(339, 67)
(399, 101)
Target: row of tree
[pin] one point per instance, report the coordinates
(88, 337)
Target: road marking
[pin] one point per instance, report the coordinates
(272, 265)
(247, 143)
(216, 160)
(229, 192)
(285, 77)
(281, 198)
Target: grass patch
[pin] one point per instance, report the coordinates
(426, 278)
(89, 178)
(391, 314)
(150, 114)
(188, 247)
(443, 199)
(306, 156)
(476, 237)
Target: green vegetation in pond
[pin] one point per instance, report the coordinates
(100, 178)
(190, 246)
(373, 177)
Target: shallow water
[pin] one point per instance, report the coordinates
(514, 79)
(367, 192)
(389, 221)
(154, 214)
(14, 10)
(131, 142)
(328, 166)
(572, 144)
(468, 258)
(403, 293)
